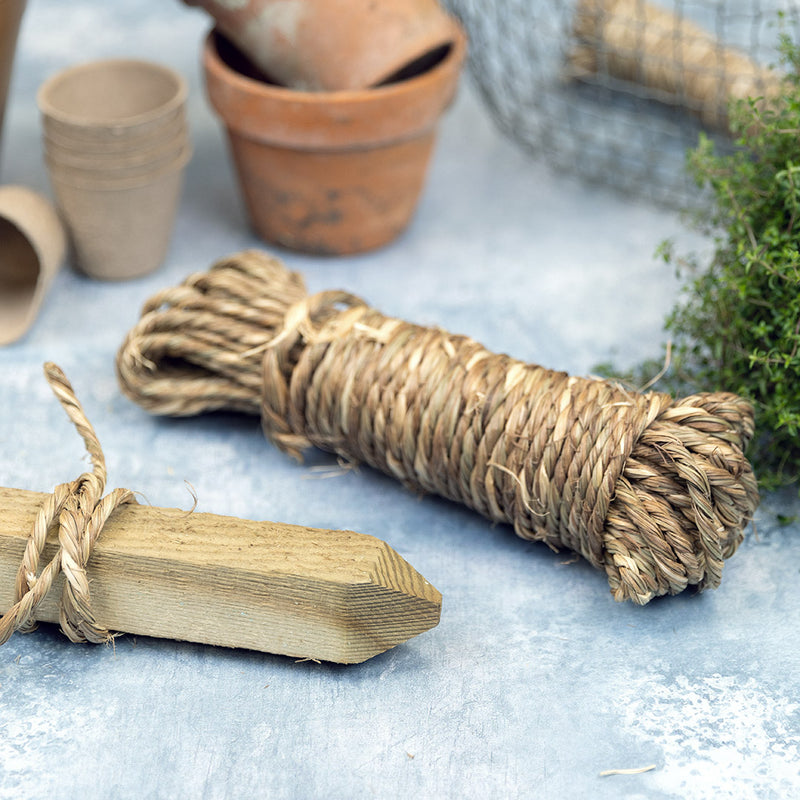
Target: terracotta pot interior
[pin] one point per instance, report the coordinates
(111, 92)
(236, 60)
(19, 273)
(419, 66)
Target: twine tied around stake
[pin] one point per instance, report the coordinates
(652, 490)
(81, 510)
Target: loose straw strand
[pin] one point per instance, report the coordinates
(652, 490)
(80, 511)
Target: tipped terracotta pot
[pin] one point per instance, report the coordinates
(11, 12)
(329, 172)
(333, 45)
(103, 102)
(32, 248)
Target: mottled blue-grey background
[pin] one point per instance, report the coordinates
(535, 681)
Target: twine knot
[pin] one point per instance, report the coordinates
(80, 511)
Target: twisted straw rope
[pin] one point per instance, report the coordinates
(656, 492)
(637, 41)
(81, 511)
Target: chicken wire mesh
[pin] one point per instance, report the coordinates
(618, 90)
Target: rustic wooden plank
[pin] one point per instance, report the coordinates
(304, 592)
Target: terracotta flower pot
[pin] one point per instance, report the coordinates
(32, 248)
(11, 12)
(332, 45)
(330, 172)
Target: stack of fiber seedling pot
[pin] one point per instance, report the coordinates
(331, 120)
(116, 143)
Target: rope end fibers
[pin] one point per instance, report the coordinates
(654, 491)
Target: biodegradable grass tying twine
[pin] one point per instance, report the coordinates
(654, 491)
(678, 61)
(81, 511)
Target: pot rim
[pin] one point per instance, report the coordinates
(81, 179)
(331, 120)
(103, 161)
(118, 144)
(91, 124)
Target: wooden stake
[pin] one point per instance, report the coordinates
(303, 592)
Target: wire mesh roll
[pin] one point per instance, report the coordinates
(616, 91)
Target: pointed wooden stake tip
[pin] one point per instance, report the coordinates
(303, 592)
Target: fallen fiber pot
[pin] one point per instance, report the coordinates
(329, 172)
(653, 490)
(33, 243)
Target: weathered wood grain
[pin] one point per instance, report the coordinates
(304, 592)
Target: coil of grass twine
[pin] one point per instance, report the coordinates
(652, 490)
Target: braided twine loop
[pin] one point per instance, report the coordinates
(652, 490)
(80, 510)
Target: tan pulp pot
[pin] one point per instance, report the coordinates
(121, 147)
(121, 141)
(32, 248)
(122, 167)
(120, 227)
(112, 100)
(116, 144)
(330, 172)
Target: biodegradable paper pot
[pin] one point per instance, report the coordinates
(132, 165)
(111, 100)
(11, 12)
(329, 172)
(120, 229)
(333, 45)
(120, 141)
(118, 179)
(32, 247)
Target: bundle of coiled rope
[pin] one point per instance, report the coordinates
(655, 491)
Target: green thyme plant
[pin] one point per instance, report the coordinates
(737, 324)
